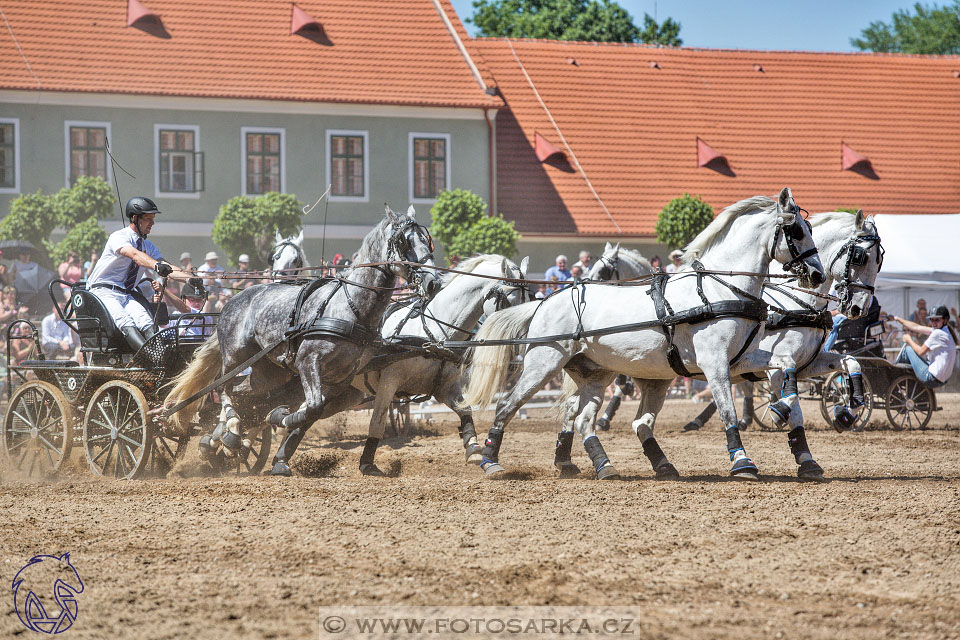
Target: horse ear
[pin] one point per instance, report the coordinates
(860, 219)
(279, 237)
(299, 239)
(411, 212)
(391, 216)
(523, 266)
(785, 201)
(616, 250)
(606, 247)
(505, 266)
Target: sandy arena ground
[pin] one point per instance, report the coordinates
(874, 553)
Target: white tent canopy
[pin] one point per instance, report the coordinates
(922, 261)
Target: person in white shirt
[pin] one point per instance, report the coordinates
(584, 261)
(117, 272)
(676, 261)
(57, 339)
(211, 272)
(933, 361)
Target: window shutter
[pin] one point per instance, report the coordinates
(198, 181)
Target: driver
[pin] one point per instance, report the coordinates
(118, 270)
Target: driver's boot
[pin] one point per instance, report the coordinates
(134, 338)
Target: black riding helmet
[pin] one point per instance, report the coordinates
(139, 204)
(193, 289)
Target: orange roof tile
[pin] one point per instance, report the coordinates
(373, 51)
(632, 114)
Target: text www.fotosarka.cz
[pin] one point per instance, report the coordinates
(396, 621)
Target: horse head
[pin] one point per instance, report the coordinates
(854, 265)
(287, 257)
(409, 249)
(793, 244)
(606, 266)
(503, 295)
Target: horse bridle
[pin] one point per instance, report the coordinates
(610, 267)
(500, 295)
(791, 234)
(278, 250)
(856, 257)
(400, 246)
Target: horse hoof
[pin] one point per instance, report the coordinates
(492, 469)
(281, 468)
(810, 470)
(275, 417)
(371, 469)
(603, 424)
(473, 454)
(667, 472)
(743, 424)
(692, 426)
(567, 469)
(608, 472)
(744, 469)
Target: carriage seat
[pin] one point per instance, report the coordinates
(95, 325)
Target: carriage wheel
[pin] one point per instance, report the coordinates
(116, 433)
(909, 404)
(835, 395)
(259, 452)
(37, 429)
(762, 397)
(165, 450)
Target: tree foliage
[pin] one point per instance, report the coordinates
(34, 216)
(928, 29)
(595, 20)
(249, 225)
(682, 219)
(83, 238)
(462, 227)
(666, 33)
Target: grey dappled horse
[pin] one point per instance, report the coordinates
(287, 260)
(746, 237)
(351, 304)
(450, 315)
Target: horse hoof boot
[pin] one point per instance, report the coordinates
(603, 424)
(370, 469)
(281, 468)
(667, 471)
(693, 425)
(232, 442)
(744, 469)
(810, 470)
(567, 469)
(275, 417)
(607, 472)
(843, 419)
(780, 413)
(743, 424)
(207, 447)
(492, 469)
(473, 454)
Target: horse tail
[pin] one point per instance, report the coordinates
(568, 389)
(488, 366)
(203, 369)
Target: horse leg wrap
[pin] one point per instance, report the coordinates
(468, 433)
(564, 445)
(856, 390)
(611, 410)
(658, 460)
(801, 453)
(741, 463)
(788, 395)
(367, 467)
(601, 463)
(287, 448)
(700, 420)
(491, 447)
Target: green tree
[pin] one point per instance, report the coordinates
(930, 29)
(591, 20)
(666, 33)
(31, 219)
(83, 238)
(249, 225)
(462, 226)
(88, 197)
(682, 219)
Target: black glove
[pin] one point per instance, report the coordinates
(163, 269)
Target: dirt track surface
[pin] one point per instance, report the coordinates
(874, 553)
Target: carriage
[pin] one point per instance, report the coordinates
(108, 404)
(892, 388)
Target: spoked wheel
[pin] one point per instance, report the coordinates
(762, 397)
(909, 404)
(835, 395)
(37, 429)
(254, 461)
(116, 434)
(165, 450)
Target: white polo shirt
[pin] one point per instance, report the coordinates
(942, 354)
(112, 267)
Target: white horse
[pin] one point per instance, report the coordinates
(450, 315)
(744, 238)
(287, 260)
(619, 263)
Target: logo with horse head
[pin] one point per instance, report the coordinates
(45, 594)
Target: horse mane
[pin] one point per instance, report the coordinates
(635, 256)
(471, 264)
(717, 230)
(828, 217)
(371, 249)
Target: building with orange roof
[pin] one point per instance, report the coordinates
(202, 102)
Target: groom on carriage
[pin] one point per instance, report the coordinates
(115, 277)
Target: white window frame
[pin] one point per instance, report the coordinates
(410, 170)
(366, 164)
(66, 146)
(157, 128)
(16, 155)
(243, 157)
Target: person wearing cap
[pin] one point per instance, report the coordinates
(211, 273)
(676, 260)
(191, 301)
(932, 361)
(242, 281)
(124, 258)
(186, 261)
